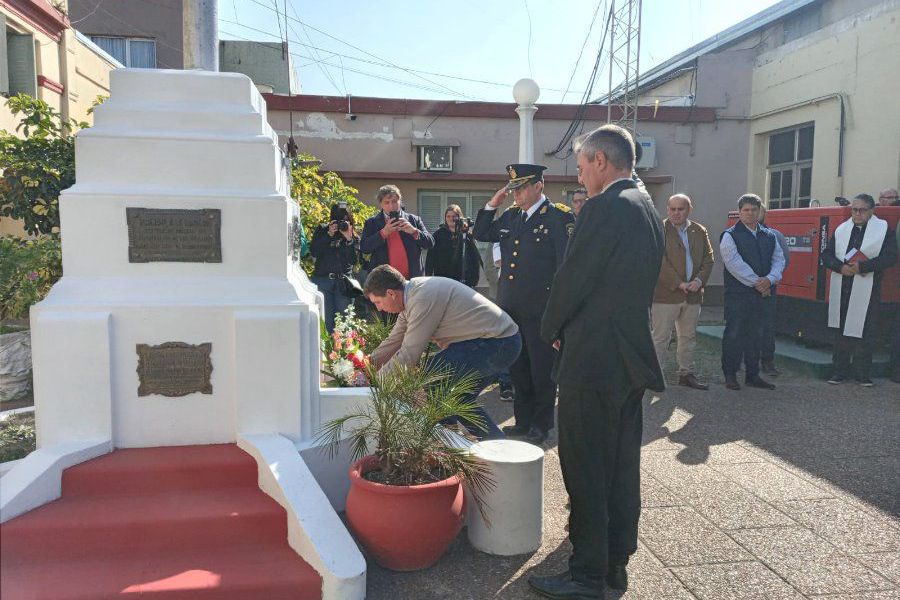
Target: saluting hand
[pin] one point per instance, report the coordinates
(499, 197)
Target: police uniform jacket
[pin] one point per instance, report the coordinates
(530, 253)
(600, 303)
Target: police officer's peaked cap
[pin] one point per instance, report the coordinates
(520, 174)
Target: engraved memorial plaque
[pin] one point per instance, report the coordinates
(174, 369)
(174, 235)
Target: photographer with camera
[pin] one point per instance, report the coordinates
(395, 237)
(455, 254)
(335, 246)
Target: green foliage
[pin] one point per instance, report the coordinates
(28, 269)
(37, 166)
(375, 330)
(403, 422)
(17, 437)
(316, 192)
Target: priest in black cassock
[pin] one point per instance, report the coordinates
(598, 317)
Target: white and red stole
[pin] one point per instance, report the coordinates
(861, 292)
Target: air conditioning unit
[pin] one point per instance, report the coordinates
(648, 146)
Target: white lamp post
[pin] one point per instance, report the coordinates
(526, 92)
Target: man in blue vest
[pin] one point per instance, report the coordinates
(753, 266)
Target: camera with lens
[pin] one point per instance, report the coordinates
(343, 225)
(461, 225)
(394, 214)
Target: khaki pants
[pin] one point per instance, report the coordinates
(684, 317)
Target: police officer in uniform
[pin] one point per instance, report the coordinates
(533, 235)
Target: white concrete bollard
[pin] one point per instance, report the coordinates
(515, 507)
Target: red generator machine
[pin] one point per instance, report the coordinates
(803, 291)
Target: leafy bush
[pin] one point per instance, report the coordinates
(315, 192)
(37, 166)
(17, 438)
(28, 269)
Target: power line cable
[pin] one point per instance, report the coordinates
(367, 53)
(314, 60)
(363, 73)
(528, 13)
(581, 52)
(578, 121)
(320, 64)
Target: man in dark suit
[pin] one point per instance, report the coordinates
(395, 237)
(598, 317)
(533, 235)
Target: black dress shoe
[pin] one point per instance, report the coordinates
(759, 382)
(564, 587)
(516, 430)
(731, 382)
(536, 436)
(506, 395)
(617, 577)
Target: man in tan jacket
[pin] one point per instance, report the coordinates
(676, 301)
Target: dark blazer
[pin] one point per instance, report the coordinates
(599, 306)
(372, 243)
(530, 253)
(445, 259)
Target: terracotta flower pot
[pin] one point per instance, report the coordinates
(404, 528)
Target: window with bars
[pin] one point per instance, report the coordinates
(789, 167)
(138, 53)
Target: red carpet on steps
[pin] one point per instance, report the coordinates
(186, 522)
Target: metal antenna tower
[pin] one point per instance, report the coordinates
(624, 62)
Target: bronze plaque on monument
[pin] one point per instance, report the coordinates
(174, 235)
(174, 369)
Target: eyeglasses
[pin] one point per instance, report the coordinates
(859, 211)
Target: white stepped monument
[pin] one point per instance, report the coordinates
(183, 316)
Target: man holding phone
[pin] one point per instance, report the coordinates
(395, 237)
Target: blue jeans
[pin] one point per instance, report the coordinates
(486, 358)
(335, 300)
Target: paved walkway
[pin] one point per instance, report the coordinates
(767, 495)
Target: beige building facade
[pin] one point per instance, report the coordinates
(43, 56)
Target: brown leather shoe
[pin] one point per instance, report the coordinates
(690, 380)
(731, 382)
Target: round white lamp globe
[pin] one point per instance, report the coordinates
(526, 92)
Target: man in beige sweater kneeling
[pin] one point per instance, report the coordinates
(474, 334)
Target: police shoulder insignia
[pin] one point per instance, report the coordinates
(543, 209)
(562, 207)
(570, 229)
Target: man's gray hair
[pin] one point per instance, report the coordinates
(613, 141)
(387, 190)
(684, 197)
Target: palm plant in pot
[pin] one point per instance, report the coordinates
(406, 498)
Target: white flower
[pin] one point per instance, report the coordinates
(342, 369)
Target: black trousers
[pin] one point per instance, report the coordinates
(600, 454)
(535, 392)
(744, 319)
(857, 351)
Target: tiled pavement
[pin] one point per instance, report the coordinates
(777, 495)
